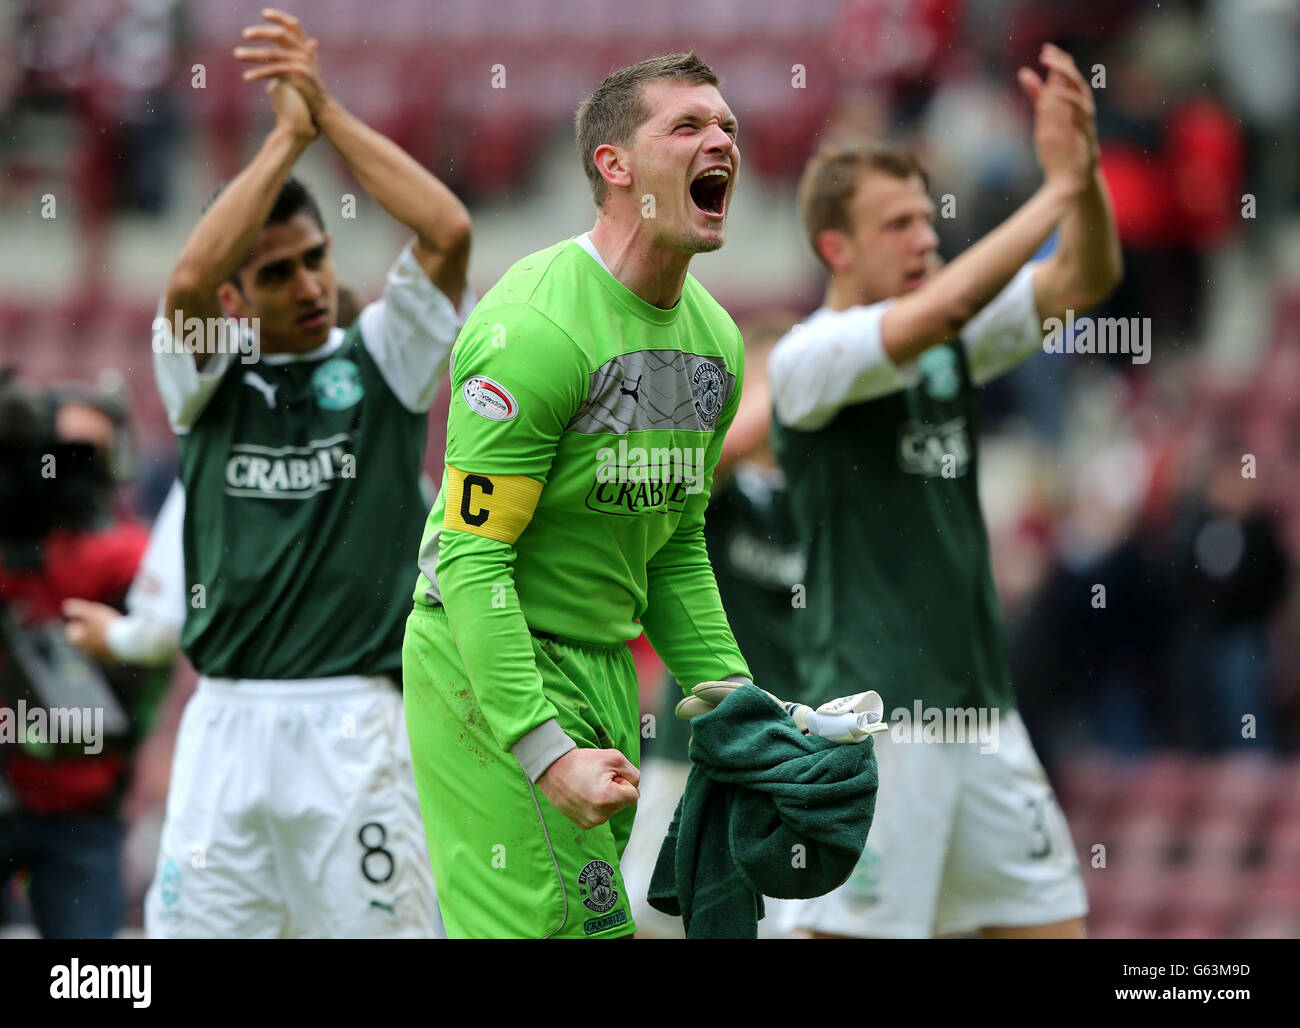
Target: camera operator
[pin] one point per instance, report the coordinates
(62, 538)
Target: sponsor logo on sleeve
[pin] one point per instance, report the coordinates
(489, 398)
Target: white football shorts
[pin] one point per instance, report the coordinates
(961, 840)
(292, 812)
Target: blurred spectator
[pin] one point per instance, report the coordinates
(59, 823)
(1173, 156)
(1087, 651)
(1230, 578)
(1255, 52)
(109, 63)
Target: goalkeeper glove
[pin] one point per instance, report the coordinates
(848, 719)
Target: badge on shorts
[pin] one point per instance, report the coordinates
(489, 398)
(169, 883)
(863, 886)
(596, 884)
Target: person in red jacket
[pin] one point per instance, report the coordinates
(59, 817)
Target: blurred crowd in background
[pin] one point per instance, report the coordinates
(1174, 483)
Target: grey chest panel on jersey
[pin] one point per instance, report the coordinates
(654, 389)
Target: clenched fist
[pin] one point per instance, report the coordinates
(590, 786)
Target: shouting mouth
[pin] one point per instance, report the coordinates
(709, 192)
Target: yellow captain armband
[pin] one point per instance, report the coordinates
(494, 506)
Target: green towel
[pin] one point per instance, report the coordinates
(767, 812)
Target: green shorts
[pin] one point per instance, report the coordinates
(506, 863)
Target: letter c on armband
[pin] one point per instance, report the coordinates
(494, 506)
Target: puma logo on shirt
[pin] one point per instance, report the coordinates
(264, 387)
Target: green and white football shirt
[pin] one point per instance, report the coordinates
(301, 477)
(881, 464)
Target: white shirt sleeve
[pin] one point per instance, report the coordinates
(831, 361)
(409, 331)
(155, 603)
(138, 639)
(1006, 331)
(185, 390)
(159, 586)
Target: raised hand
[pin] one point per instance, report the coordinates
(1064, 75)
(291, 110)
(290, 57)
(1065, 133)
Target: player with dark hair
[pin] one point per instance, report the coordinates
(292, 810)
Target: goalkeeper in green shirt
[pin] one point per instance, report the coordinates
(591, 390)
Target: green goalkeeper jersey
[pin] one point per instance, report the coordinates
(583, 431)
